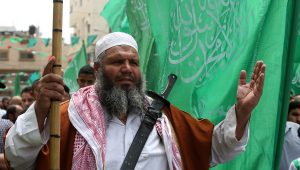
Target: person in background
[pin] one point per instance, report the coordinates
(27, 97)
(2, 112)
(294, 112)
(34, 88)
(295, 164)
(13, 112)
(5, 102)
(3, 106)
(86, 76)
(291, 145)
(4, 126)
(16, 100)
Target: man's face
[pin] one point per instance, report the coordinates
(27, 99)
(84, 80)
(5, 103)
(119, 84)
(294, 115)
(121, 67)
(14, 114)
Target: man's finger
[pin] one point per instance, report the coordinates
(49, 67)
(51, 94)
(52, 78)
(260, 83)
(243, 76)
(261, 74)
(261, 80)
(252, 83)
(256, 70)
(263, 69)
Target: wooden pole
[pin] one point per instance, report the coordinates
(55, 108)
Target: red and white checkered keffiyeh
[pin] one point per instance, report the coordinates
(89, 121)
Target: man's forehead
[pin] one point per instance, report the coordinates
(121, 49)
(27, 94)
(295, 110)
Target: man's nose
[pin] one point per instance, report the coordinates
(126, 67)
(27, 103)
(85, 83)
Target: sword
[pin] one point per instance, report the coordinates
(163, 96)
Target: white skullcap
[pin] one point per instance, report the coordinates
(114, 39)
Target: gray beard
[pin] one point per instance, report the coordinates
(119, 102)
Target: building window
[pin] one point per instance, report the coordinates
(80, 1)
(3, 55)
(26, 56)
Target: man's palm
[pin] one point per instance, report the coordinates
(248, 94)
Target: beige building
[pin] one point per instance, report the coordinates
(18, 58)
(85, 19)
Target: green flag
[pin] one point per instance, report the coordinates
(91, 39)
(207, 43)
(16, 39)
(17, 82)
(46, 41)
(296, 68)
(114, 14)
(141, 30)
(31, 42)
(33, 77)
(74, 40)
(71, 71)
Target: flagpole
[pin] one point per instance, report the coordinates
(55, 108)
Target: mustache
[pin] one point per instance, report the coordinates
(128, 76)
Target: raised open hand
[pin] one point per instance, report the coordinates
(248, 95)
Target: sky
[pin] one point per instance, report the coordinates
(23, 13)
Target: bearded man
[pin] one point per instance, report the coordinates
(100, 121)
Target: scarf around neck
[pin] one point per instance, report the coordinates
(87, 116)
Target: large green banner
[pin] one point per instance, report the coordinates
(206, 43)
(114, 13)
(296, 67)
